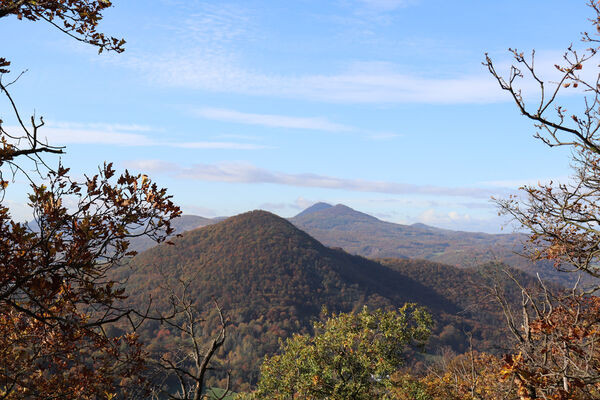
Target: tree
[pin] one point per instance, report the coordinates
(56, 297)
(77, 18)
(563, 219)
(469, 376)
(556, 353)
(350, 356)
(190, 361)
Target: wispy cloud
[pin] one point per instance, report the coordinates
(272, 120)
(287, 122)
(464, 221)
(218, 145)
(387, 5)
(237, 136)
(64, 133)
(152, 165)
(247, 173)
(211, 25)
(99, 126)
(366, 83)
(384, 136)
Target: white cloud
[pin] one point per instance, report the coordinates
(210, 25)
(302, 203)
(152, 165)
(65, 133)
(98, 126)
(464, 222)
(432, 217)
(386, 5)
(367, 83)
(247, 173)
(218, 145)
(60, 136)
(287, 122)
(272, 120)
(223, 71)
(384, 136)
(237, 136)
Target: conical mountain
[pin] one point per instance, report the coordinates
(273, 279)
(319, 215)
(261, 257)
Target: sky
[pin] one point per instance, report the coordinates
(382, 105)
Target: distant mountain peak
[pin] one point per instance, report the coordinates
(314, 208)
(333, 217)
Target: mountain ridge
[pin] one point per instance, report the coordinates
(361, 234)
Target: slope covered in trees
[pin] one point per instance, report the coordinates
(273, 280)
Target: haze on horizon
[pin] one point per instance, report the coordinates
(381, 105)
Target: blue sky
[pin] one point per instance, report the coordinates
(382, 105)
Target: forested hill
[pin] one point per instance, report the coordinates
(273, 279)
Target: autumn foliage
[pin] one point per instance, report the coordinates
(350, 356)
(77, 18)
(560, 358)
(57, 301)
(55, 297)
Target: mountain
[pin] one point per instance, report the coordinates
(273, 279)
(315, 207)
(362, 234)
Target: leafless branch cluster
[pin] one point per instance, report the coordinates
(564, 218)
(557, 335)
(24, 142)
(190, 362)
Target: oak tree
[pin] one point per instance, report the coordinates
(57, 300)
(562, 218)
(469, 376)
(77, 18)
(557, 333)
(350, 356)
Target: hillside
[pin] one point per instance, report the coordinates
(362, 234)
(274, 280)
